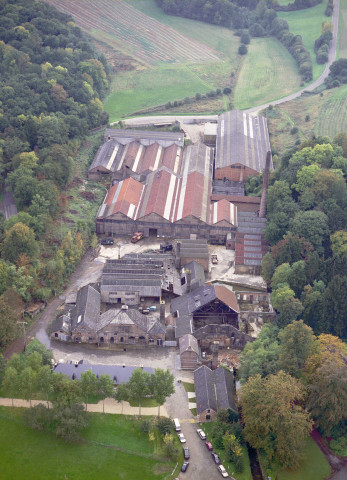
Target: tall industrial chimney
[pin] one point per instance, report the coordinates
(262, 210)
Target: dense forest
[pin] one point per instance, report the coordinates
(258, 17)
(307, 221)
(51, 86)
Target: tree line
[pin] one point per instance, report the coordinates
(29, 375)
(301, 377)
(51, 86)
(306, 228)
(257, 16)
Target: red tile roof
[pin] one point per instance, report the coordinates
(227, 296)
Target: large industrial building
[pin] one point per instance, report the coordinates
(163, 189)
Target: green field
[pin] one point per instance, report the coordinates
(133, 92)
(308, 24)
(333, 116)
(113, 447)
(342, 45)
(313, 467)
(319, 114)
(269, 72)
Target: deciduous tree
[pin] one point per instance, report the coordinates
(274, 420)
(161, 385)
(296, 345)
(138, 386)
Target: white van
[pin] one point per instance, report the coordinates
(177, 425)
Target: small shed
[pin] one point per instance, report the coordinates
(189, 352)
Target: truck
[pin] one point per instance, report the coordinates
(137, 237)
(214, 259)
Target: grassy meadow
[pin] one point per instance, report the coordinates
(268, 72)
(313, 114)
(342, 44)
(112, 447)
(313, 467)
(308, 24)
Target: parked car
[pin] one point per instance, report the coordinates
(209, 446)
(125, 307)
(215, 457)
(184, 466)
(137, 237)
(186, 453)
(181, 438)
(201, 434)
(222, 471)
(152, 308)
(107, 241)
(145, 311)
(214, 259)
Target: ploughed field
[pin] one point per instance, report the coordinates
(137, 34)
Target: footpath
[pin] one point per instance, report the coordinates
(111, 406)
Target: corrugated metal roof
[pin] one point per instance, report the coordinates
(123, 197)
(242, 139)
(223, 210)
(144, 136)
(188, 342)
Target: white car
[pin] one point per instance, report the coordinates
(201, 434)
(181, 438)
(222, 471)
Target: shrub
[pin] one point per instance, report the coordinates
(165, 425)
(294, 130)
(227, 90)
(145, 426)
(242, 49)
(38, 417)
(245, 38)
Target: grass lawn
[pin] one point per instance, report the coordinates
(189, 387)
(342, 44)
(313, 467)
(308, 24)
(134, 91)
(113, 448)
(246, 473)
(146, 402)
(268, 72)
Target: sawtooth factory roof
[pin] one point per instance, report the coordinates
(171, 195)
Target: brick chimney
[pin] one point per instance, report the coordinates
(262, 210)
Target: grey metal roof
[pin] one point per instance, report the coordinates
(145, 137)
(118, 373)
(214, 389)
(106, 156)
(188, 343)
(205, 389)
(197, 273)
(87, 311)
(225, 388)
(242, 139)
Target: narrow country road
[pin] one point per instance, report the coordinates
(7, 206)
(320, 80)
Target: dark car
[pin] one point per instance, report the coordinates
(107, 241)
(215, 457)
(186, 453)
(184, 466)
